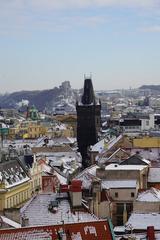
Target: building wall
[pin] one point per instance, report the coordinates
(50, 183)
(12, 133)
(27, 129)
(128, 129)
(146, 207)
(36, 176)
(147, 124)
(2, 194)
(15, 196)
(13, 214)
(69, 120)
(140, 176)
(104, 209)
(124, 194)
(146, 142)
(76, 198)
(101, 209)
(36, 130)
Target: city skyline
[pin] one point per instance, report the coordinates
(44, 43)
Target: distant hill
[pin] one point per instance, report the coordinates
(151, 87)
(44, 99)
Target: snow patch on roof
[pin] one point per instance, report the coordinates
(98, 147)
(38, 214)
(115, 166)
(143, 220)
(26, 179)
(154, 175)
(87, 176)
(151, 195)
(91, 170)
(119, 184)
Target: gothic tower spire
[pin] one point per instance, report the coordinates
(88, 94)
(88, 120)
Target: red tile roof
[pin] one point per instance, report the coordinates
(89, 230)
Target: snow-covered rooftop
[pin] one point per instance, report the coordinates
(69, 160)
(87, 176)
(18, 182)
(150, 154)
(55, 141)
(91, 170)
(47, 169)
(154, 175)
(13, 173)
(37, 211)
(116, 166)
(114, 141)
(117, 151)
(20, 143)
(137, 236)
(62, 179)
(60, 155)
(98, 147)
(105, 144)
(140, 221)
(87, 180)
(151, 195)
(119, 184)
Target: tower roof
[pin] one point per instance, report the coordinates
(88, 93)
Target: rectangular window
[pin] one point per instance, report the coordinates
(7, 202)
(116, 194)
(132, 194)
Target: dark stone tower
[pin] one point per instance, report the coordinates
(88, 120)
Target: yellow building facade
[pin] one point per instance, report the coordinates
(36, 130)
(146, 142)
(14, 196)
(27, 129)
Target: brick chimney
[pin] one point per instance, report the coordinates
(150, 233)
(76, 192)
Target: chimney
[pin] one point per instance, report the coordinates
(76, 192)
(150, 233)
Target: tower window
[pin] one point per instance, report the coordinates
(116, 194)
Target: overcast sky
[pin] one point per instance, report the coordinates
(46, 42)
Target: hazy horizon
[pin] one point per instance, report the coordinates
(44, 43)
(114, 89)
